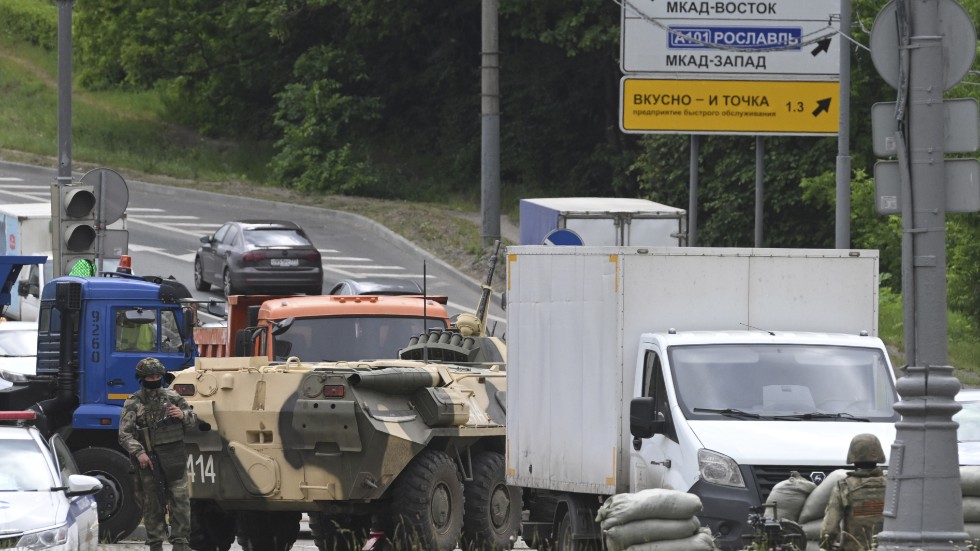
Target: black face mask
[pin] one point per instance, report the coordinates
(152, 385)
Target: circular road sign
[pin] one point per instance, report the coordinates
(562, 237)
(111, 193)
(959, 42)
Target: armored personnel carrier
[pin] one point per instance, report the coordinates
(410, 449)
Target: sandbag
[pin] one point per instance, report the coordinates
(971, 509)
(970, 480)
(787, 497)
(812, 530)
(702, 541)
(647, 504)
(645, 531)
(816, 502)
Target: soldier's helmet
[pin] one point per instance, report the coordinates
(149, 366)
(865, 448)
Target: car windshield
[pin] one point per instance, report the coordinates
(18, 343)
(349, 338)
(782, 380)
(969, 420)
(23, 467)
(278, 237)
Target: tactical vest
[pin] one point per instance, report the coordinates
(864, 502)
(163, 430)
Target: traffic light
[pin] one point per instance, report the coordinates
(78, 225)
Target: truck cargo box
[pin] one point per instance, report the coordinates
(604, 221)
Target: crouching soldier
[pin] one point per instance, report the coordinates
(857, 501)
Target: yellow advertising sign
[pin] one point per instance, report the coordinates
(729, 106)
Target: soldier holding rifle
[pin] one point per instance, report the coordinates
(151, 429)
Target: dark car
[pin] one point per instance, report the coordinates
(376, 286)
(259, 257)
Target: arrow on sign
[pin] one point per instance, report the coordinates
(822, 46)
(823, 105)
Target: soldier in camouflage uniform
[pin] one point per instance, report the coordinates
(858, 500)
(166, 414)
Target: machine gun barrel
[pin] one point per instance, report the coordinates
(401, 380)
(483, 310)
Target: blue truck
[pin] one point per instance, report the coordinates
(91, 333)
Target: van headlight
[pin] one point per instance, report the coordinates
(719, 469)
(44, 539)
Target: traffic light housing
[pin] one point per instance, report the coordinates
(79, 221)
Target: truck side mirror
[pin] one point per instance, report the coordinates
(645, 420)
(23, 288)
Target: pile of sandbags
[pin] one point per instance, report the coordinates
(803, 502)
(970, 481)
(653, 520)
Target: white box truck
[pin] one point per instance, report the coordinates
(27, 231)
(714, 371)
(604, 221)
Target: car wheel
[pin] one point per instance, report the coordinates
(229, 287)
(199, 283)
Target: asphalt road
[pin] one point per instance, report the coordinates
(165, 225)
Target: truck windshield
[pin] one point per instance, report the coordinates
(349, 338)
(782, 380)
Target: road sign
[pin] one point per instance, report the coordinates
(959, 42)
(962, 134)
(728, 107)
(562, 237)
(737, 40)
(962, 186)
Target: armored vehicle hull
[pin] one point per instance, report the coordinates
(413, 449)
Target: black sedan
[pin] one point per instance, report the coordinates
(376, 286)
(259, 257)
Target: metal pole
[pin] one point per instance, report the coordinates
(760, 152)
(64, 129)
(843, 212)
(692, 199)
(490, 126)
(923, 498)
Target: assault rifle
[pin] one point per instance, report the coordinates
(159, 479)
(771, 534)
(483, 310)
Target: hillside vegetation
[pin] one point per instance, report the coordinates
(359, 107)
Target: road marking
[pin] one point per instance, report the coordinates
(168, 216)
(364, 267)
(346, 259)
(326, 251)
(144, 209)
(33, 197)
(155, 250)
(10, 179)
(194, 225)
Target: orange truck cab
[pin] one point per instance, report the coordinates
(322, 327)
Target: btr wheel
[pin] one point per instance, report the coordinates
(212, 529)
(268, 531)
(492, 515)
(338, 532)
(199, 282)
(428, 503)
(119, 513)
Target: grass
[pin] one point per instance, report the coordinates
(127, 131)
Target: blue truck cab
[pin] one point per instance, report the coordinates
(91, 333)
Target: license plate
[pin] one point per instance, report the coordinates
(285, 261)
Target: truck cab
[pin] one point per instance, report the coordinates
(91, 333)
(727, 415)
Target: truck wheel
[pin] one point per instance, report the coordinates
(199, 282)
(212, 529)
(428, 503)
(565, 541)
(119, 513)
(492, 515)
(338, 532)
(268, 531)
